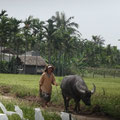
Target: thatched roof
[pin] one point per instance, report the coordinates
(33, 60)
(8, 50)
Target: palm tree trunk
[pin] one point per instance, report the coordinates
(49, 52)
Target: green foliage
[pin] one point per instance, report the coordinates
(57, 94)
(29, 112)
(51, 116)
(108, 104)
(107, 96)
(21, 93)
(9, 106)
(58, 41)
(4, 66)
(9, 67)
(14, 117)
(13, 65)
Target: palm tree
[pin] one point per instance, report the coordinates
(37, 36)
(98, 40)
(37, 27)
(15, 33)
(67, 31)
(15, 38)
(98, 43)
(50, 29)
(62, 21)
(4, 29)
(27, 35)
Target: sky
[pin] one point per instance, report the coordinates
(95, 17)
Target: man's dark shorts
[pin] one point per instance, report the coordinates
(45, 96)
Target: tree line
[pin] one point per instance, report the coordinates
(58, 41)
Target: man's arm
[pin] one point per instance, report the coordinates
(54, 81)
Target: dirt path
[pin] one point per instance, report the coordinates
(58, 109)
(81, 117)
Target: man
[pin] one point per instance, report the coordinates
(45, 84)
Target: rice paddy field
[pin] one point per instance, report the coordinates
(105, 101)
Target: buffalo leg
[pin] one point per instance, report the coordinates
(65, 103)
(77, 106)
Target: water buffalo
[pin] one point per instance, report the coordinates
(73, 86)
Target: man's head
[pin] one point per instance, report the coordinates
(49, 68)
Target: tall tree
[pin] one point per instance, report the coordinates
(66, 29)
(15, 41)
(27, 36)
(4, 29)
(50, 29)
(37, 27)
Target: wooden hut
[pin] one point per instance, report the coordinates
(32, 64)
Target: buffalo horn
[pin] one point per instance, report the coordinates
(79, 89)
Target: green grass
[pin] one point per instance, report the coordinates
(28, 110)
(107, 95)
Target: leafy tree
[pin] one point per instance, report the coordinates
(50, 29)
(64, 37)
(38, 32)
(58, 41)
(16, 37)
(4, 29)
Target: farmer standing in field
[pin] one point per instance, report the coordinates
(45, 84)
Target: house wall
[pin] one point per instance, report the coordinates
(30, 69)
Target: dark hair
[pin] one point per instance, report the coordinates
(46, 68)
